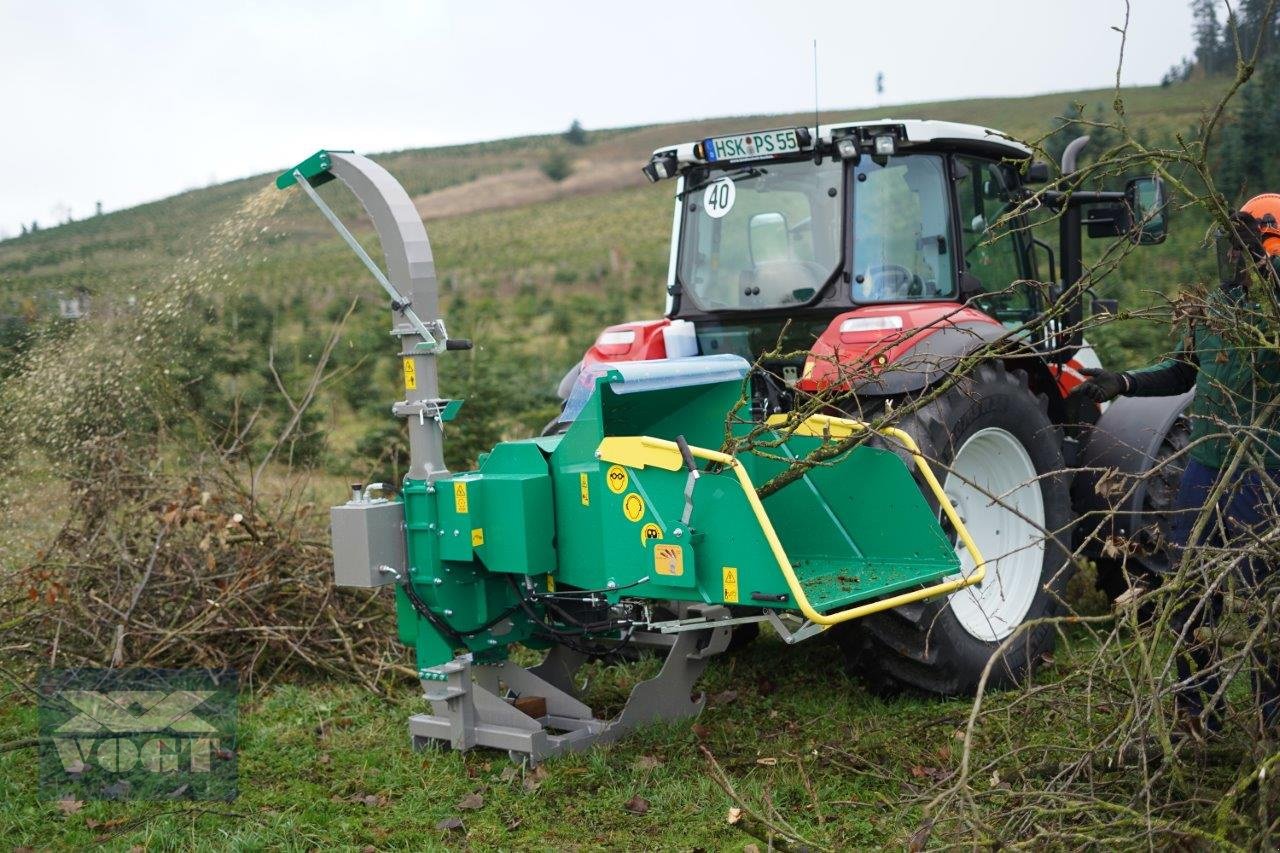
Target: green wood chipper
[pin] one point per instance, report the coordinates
(629, 528)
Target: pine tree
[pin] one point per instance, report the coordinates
(1208, 35)
(1248, 159)
(575, 135)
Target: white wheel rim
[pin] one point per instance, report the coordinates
(993, 486)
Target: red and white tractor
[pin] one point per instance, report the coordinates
(874, 263)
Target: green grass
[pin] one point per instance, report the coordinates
(835, 760)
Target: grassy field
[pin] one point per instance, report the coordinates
(324, 763)
(328, 765)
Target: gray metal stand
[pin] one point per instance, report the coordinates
(469, 708)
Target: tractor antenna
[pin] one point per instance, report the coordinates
(817, 156)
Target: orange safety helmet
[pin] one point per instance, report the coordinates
(1265, 210)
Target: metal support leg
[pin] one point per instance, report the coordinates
(469, 707)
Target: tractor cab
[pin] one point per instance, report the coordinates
(807, 240)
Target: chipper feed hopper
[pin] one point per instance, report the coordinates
(629, 528)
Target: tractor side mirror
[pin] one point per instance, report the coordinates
(1037, 173)
(768, 238)
(1149, 206)
(1105, 307)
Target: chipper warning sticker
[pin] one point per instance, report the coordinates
(649, 533)
(633, 507)
(730, 584)
(410, 374)
(668, 560)
(617, 478)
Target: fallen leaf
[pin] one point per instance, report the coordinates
(450, 824)
(920, 771)
(767, 762)
(920, 838)
(514, 825)
(700, 731)
(725, 697)
(470, 803)
(368, 848)
(70, 805)
(944, 752)
(646, 762)
(958, 734)
(637, 805)
(751, 848)
(324, 758)
(735, 815)
(76, 768)
(508, 773)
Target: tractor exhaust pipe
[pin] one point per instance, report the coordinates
(1072, 153)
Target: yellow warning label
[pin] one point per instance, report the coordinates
(410, 374)
(617, 479)
(649, 533)
(477, 537)
(668, 560)
(633, 507)
(730, 585)
(460, 497)
(584, 486)
(551, 584)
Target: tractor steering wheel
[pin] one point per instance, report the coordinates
(890, 281)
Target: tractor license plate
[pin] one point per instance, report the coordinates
(751, 146)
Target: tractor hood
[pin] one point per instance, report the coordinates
(893, 349)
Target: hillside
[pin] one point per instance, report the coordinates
(530, 268)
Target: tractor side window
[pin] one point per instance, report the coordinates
(994, 253)
(901, 230)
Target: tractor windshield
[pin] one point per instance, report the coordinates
(761, 237)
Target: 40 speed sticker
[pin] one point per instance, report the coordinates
(718, 198)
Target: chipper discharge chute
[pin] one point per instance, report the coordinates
(630, 528)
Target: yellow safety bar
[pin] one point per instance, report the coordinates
(642, 451)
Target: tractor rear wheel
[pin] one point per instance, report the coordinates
(999, 457)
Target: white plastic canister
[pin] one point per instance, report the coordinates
(680, 339)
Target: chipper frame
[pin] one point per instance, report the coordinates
(626, 529)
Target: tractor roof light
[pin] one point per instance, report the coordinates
(886, 145)
(660, 168)
(847, 148)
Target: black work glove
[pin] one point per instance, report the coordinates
(1245, 230)
(1102, 385)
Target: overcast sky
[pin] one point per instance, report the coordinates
(128, 101)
